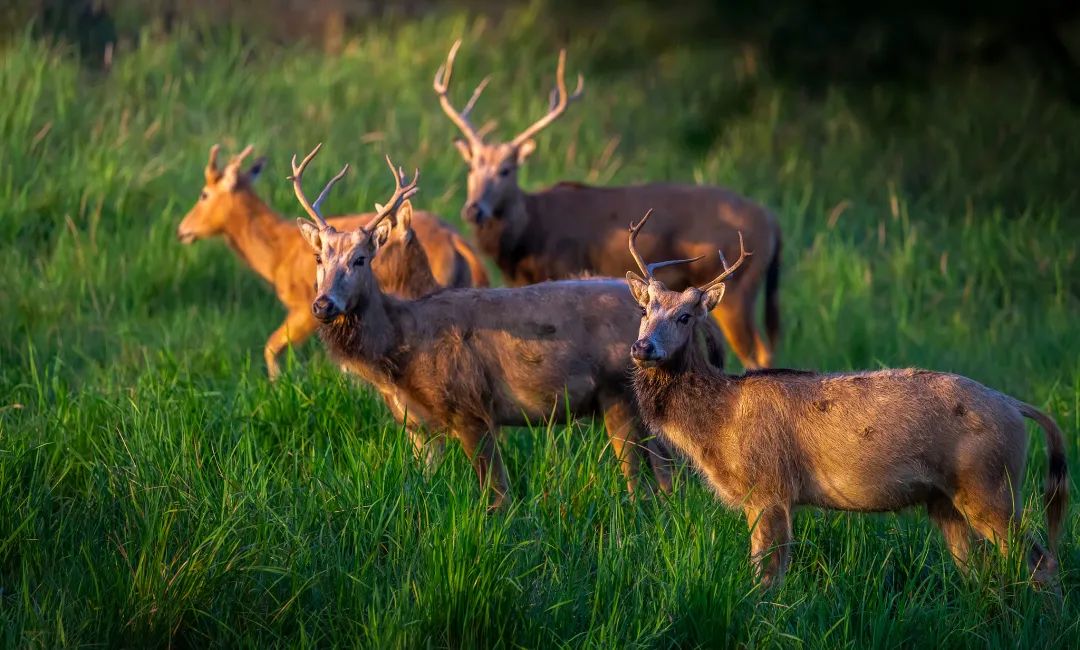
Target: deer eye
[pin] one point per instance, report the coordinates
(203, 195)
(684, 319)
(504, 172)
(358, 261)
(644, 311)
(318, 258)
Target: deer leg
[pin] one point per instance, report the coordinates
(483, 451)
(661, 461)
(770, 542)
(954, 528)
(737, 321)
(623, 435)
(428, 449)
(992, 512)
(298, 325)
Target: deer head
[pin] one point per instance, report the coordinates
(222, 196)
(343, 279)
(493, 168)
(670, 317)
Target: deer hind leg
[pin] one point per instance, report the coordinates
(736, 319)
(483, 451)
(623, 433)
(770, 542)
(954, 528)
(298, 326)
(993, 513)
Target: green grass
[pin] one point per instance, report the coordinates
(156, 489)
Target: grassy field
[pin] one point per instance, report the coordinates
(156, 489)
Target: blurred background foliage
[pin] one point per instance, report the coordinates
(811, 44)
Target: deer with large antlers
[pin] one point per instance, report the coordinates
(572, 228)
(771, 440)
(465, 362)
(229, 206)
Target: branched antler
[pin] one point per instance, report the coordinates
(401, 193)
(297, 174)
(650, 269)
(728, 270)
(460, 118)
(560, 99)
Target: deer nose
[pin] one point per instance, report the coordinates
(324, 309)
(475, 212)
(184, 236)
(643, 350)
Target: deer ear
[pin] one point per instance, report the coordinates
(463, 149)
(382, 233)
(525, 149)
(256, 169)
(310, 233)
(404, 220)
(639, 288)
(712, 297)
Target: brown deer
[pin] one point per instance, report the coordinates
(569, 228)
(271, 246)
(466, 362)
(771, 440)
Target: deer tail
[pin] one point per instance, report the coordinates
(772, 297)
(1056, 496)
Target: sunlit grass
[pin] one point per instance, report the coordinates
(155, 487)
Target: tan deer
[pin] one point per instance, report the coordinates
(465, 362)
(570, 228)
(769, 441)
(228, 206)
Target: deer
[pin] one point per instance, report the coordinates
(571, 227)
(466, 362)
(769, 441)
(229, 206)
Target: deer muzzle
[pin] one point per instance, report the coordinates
(325, 309)
(476, 212)
(645, 353)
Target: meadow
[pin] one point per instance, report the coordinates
(156, 489)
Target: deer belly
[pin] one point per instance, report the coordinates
(864, 485)
(534, 398)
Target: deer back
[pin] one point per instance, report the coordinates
(574, 228)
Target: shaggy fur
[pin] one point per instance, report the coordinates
(770, 441)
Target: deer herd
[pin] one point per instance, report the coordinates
(401, 300)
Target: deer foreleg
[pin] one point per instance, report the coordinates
(623, 435)
(483, 450)
(770, 542)
(428, 449)
(298, 326)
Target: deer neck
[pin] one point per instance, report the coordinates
(252, 232)
(519, 239)
(666, 394)
(366, 340)
(409, 275)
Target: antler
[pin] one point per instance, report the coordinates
(460, 118)
(560, 99)
(650, 269)
(211, 164)
(297, 174)
(401, 193)
(235, 161)
(728, 270)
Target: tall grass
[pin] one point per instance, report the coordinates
(155, 488)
